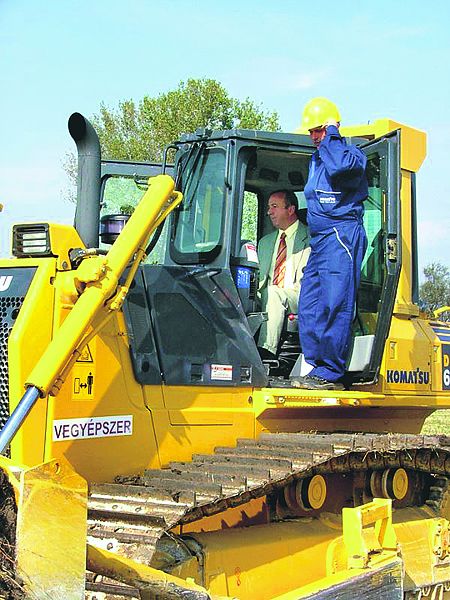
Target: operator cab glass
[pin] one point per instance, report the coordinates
(268, 171)
(372, 268)
(197, 233)
(123, 186)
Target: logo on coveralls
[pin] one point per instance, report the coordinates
(416, 377)
(446, 366)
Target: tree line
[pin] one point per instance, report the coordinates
(141, 130)
(435, 291)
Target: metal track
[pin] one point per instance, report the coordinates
(131, 515)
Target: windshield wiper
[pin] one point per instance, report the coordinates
(196, 151)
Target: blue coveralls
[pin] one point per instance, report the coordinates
(335, 192)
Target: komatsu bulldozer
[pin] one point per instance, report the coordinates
(149, 452)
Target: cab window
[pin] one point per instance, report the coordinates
(197, 229)
(372, 268)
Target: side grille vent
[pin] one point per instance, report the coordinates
(14, 284)
(9, 309)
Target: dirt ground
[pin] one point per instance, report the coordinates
(10, 587)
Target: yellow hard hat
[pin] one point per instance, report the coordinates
(316, 112)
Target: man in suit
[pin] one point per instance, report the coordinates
(282, 256)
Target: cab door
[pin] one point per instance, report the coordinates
(382, 263)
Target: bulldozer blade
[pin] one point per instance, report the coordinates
(51, 529)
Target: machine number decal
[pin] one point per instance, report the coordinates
(92, 427)
(446, 366)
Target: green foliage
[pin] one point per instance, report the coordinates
(435, 291)
(437, 423)
(250, 217)
(250, 116)
(120, 196)
(127, 209)
(142, 131)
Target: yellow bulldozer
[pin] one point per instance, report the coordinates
(148, 450)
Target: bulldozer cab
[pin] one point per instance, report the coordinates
(193, 313)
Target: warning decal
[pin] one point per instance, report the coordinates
(86, 356)
(222, 372)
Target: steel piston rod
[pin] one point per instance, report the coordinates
(19, 415)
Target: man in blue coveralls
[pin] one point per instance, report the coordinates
(335, 192)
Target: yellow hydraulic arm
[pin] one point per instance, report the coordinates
(97, 279)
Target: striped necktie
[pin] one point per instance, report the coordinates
(280, 263)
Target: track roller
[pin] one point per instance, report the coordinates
(307, 494)
(311, 492)
(390, 483)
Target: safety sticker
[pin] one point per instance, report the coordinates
(252, 254)
(85, 356)
(84, 374)
(92, 427)
(87, 385)
(222, 372)
(242, 278)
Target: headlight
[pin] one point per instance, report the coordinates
(31, 240)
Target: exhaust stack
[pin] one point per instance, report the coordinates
(87, 213)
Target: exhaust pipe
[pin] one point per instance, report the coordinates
(87, 213)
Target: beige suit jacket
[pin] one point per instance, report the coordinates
(300, 254)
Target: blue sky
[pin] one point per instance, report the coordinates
(374, 60)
